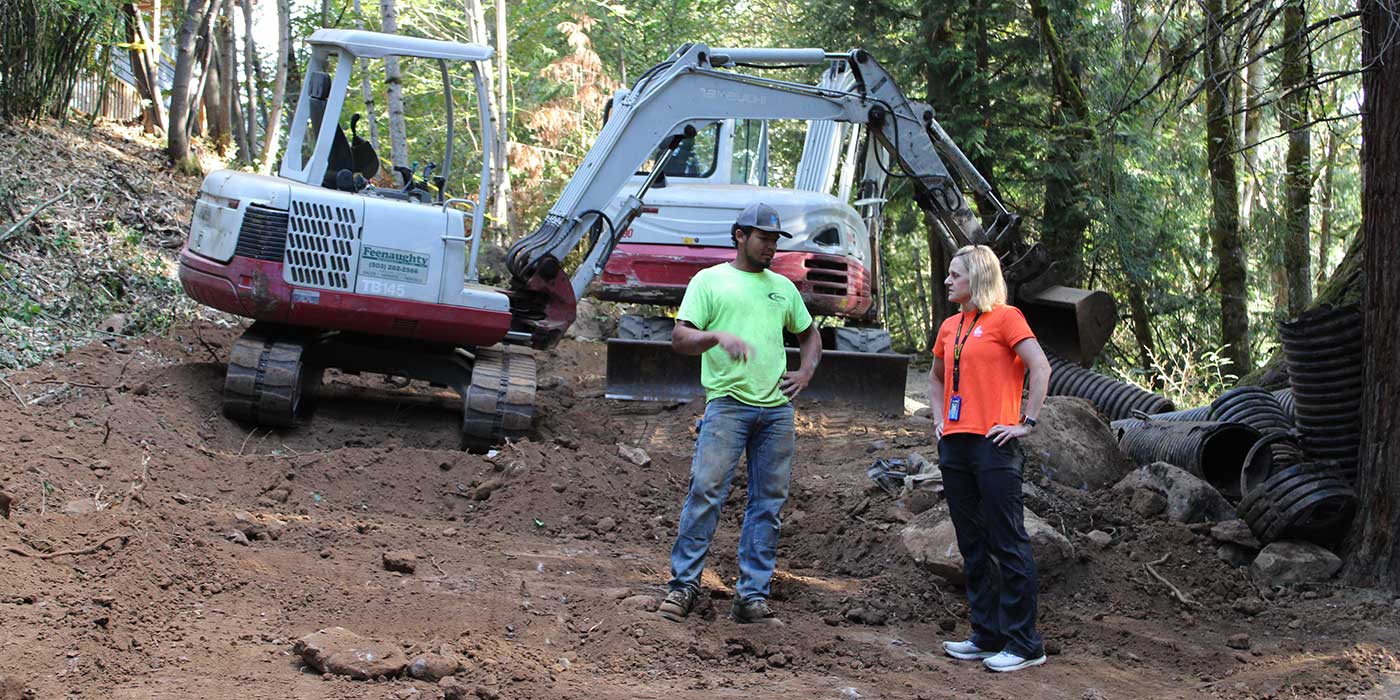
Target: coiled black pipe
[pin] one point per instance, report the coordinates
(1322, 349)
(1198, 413)
(1285, 400)
(1212, 450)
(1113, 398)
(1307, 501)
(1252, 406)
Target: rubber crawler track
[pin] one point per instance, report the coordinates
(500, 403)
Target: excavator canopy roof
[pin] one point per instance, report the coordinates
(362, 44)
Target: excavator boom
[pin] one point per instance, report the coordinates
(697, 86)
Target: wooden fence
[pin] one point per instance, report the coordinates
(123, 102)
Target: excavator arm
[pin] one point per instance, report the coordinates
(693, 89)
(697, 86)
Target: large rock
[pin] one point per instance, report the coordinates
(341, 652)
(433, 667)
(1072, 445)
(1289, 563)
(12, 688)
(1235, 532)
(592, 322)
(932, 542)
(1189, 498)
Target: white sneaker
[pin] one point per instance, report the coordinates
(1007, 661)
(967, 651)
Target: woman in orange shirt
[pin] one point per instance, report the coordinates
(980, 362)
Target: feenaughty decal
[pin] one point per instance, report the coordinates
(396, 265)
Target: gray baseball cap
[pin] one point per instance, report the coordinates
(762, 217)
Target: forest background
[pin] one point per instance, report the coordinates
(1198, 160)
(1202, 161)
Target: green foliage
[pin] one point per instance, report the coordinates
(1139, 155)
(43, 45)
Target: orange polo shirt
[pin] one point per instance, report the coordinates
(992, 374)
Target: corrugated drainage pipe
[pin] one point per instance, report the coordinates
(1253, 406)
(1285, 399)
(1113, 398)
(1198, 413)
(1211, 450)
(1323, 351)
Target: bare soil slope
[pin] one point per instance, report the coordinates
(530, 561)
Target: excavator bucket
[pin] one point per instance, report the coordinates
(649, 370)
(1073, 323)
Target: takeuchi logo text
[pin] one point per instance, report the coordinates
(396, 257)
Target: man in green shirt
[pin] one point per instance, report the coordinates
(733, 316)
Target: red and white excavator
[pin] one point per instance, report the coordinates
(338, 273)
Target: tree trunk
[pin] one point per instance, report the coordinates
(499, 208)
(934, 26)
(1293, 120)
(215, 109)
(205, 51)
(1375, 557)
(371, 114)
(1142, 330)
(325, 13)
(398, 130)
(181, 92)
(228, 48)
(1066, 206)
(1224, 191)
(938, 259)
(1324, 227)
(145, 70)
(219, 86)
(279, 86)
(982, 96)
(503, 212)
(1253, 119)
(252, 72)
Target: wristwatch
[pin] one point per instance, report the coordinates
(1028, 421)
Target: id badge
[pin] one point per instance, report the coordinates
(955, 408)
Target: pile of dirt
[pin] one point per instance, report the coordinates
(207, 548)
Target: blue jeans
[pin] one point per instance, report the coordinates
(728, 430)
(982, 482)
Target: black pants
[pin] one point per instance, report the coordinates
(982, 482)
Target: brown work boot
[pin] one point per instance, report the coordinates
(754, 611)
(678, 604)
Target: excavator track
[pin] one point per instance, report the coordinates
(268, 381)
(499, 404)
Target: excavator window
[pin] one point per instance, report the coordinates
(829, 236)
(694, 157)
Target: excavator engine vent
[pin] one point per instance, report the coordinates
(321, 245)
(263, 235)
(828, 276)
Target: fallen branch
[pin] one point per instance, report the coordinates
(14, 230)
(1175, 591)
(213, 356)
(245, 441)
(68, 552)
(22, 406)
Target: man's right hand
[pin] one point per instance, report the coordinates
(737, 349)
(937, 430)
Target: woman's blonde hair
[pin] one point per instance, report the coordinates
(983, 276)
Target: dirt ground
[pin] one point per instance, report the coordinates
(531, 561)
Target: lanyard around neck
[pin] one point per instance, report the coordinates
(958, 347)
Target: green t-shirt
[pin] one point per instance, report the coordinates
(756, 307)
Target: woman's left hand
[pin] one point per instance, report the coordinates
(1000, 434)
